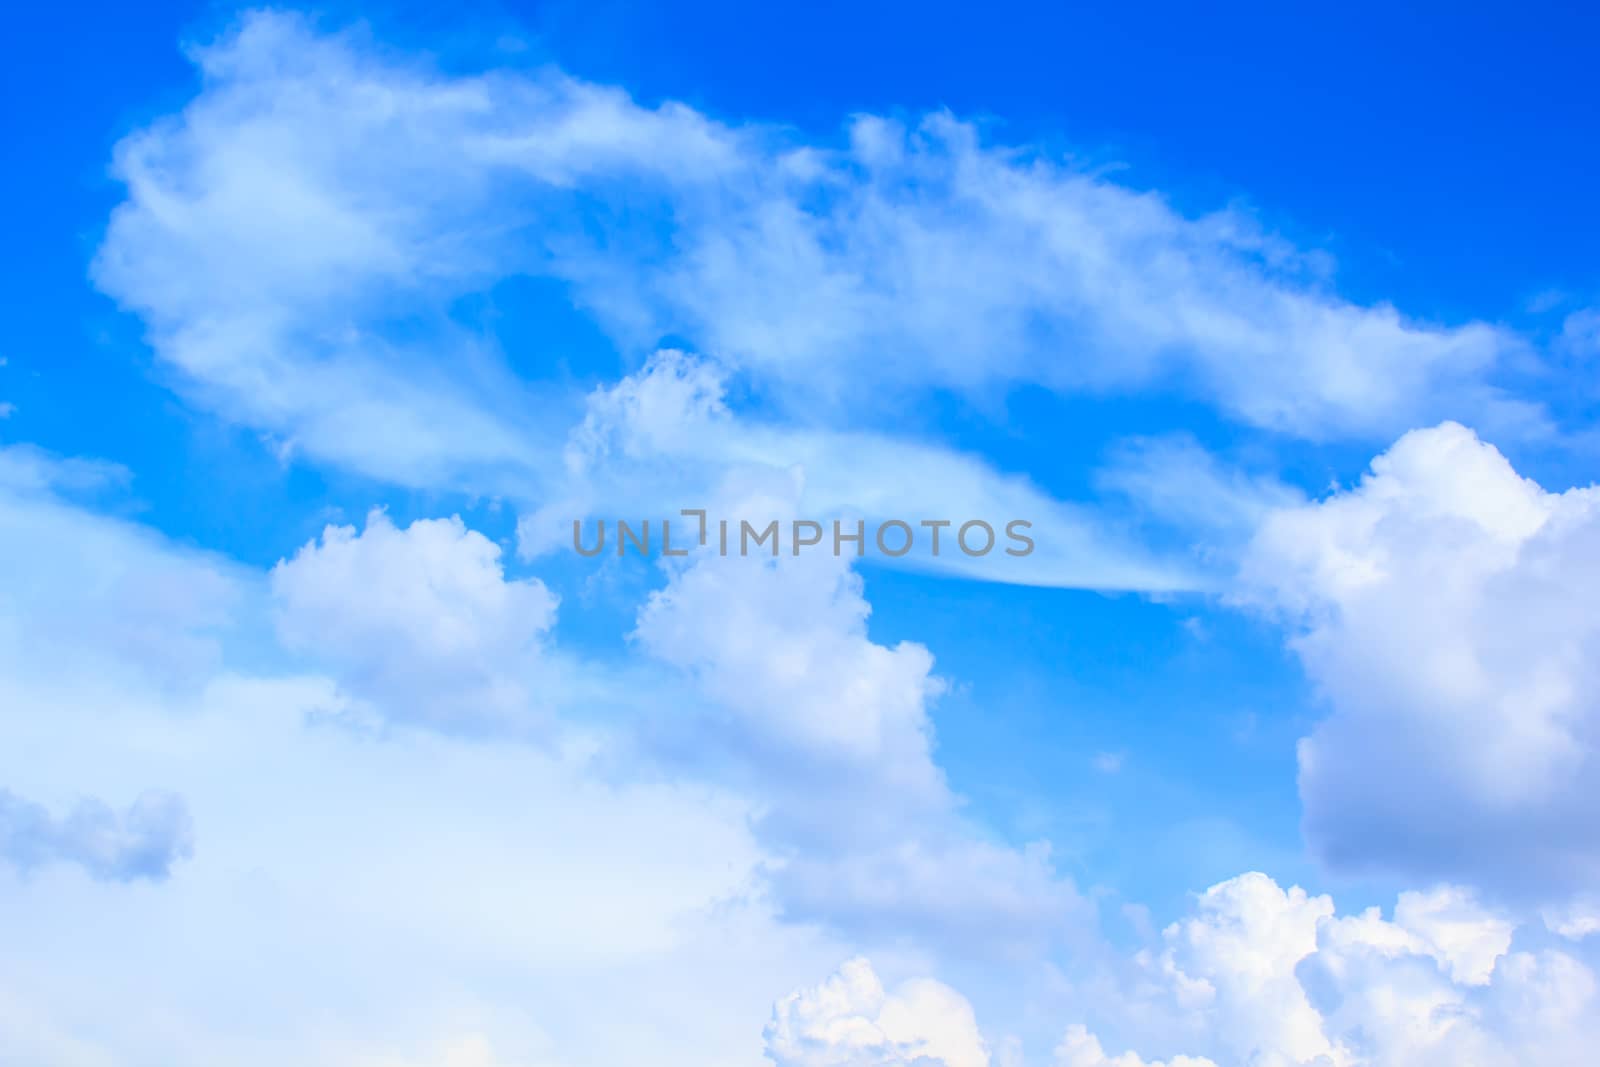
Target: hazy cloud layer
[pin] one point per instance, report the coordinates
(142, 842)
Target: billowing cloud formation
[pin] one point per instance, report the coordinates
(419, 623)
(832, 729)
(851, 1021)
(1237, 970)
(1444, 606)
(784, 644)
(465, 902)
(143, 842)
(1260, 976)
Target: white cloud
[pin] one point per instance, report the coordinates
(1231, 967)
(454, 895)
(78, 589)
(1577, 919)
(566, 877)
(26, 469)
(525, 899)
(1580, 332)
(832, 731)
(1176, 481)
(1080, 1048)
(1109, 762)
(1444, 608)
(851, 1021)
(296, 239)
(494, 903)
(420, 624)
(306, 196)
(1457, 932)
(935, 258)
(1261, 976)
(784, 644)
(1273, 977)
(665, 438)
(319, 191)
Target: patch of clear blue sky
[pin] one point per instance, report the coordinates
(1444, 154)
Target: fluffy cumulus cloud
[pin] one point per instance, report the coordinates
(1080, 1048)
(420, 624)
(851, 1021)
(833, 728)
(1264, 975)
(1256, 976)
(143, 842)
(674, 887)
(465, 902)
(784, 646)
(1443, 606)
(1260, 975)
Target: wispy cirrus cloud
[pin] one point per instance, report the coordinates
(296, 238)
(666, 437)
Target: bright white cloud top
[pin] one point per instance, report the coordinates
(1443, 605)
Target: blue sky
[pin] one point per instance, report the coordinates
(322, 326)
